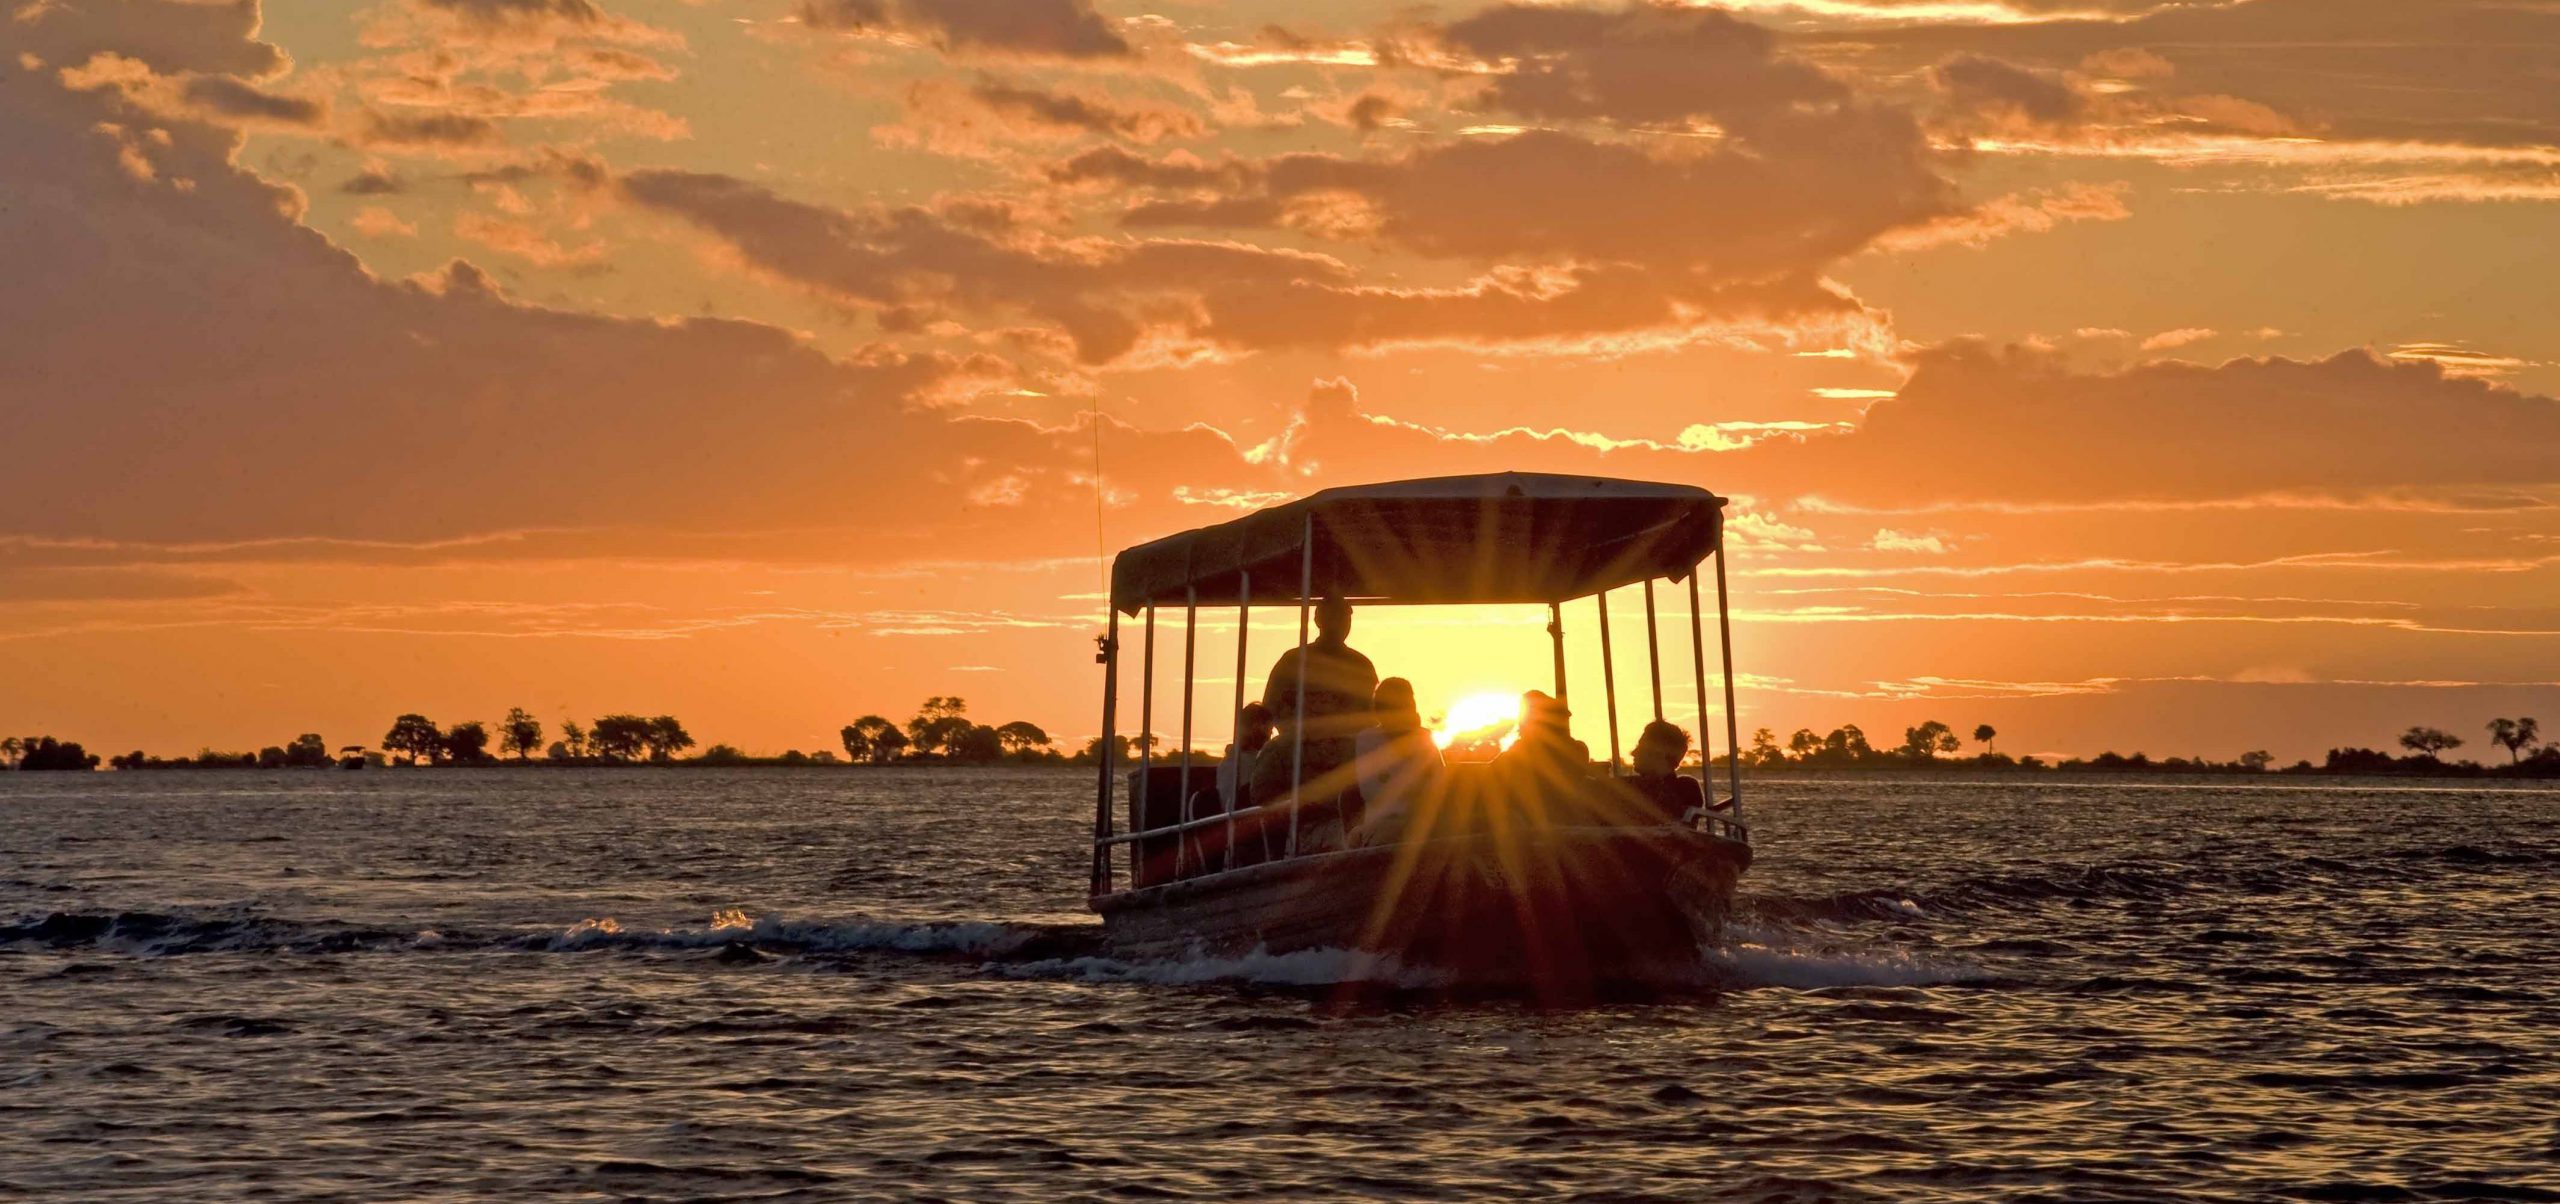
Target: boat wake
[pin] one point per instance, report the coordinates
(1757, 953)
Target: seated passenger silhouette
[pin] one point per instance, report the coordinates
(1210, 846)
(1545, 775)
(1657, 779)
(1338, 683)
(1235, 770)
(1397, 764)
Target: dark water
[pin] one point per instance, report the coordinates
(510, 984)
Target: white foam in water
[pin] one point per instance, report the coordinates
(1302, 968)
(952, 936)
(1772, 958)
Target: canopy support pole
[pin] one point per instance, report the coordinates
(1235, 743)
(1110, 659)
(1732, 723)
(1653, 648)
(1298, 730)
(1190, 642)
(1698, 660)
(1609, 681)
(1145, 752)
(1555, 632)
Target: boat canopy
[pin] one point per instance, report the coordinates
(1494, 537)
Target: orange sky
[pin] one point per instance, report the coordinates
(2173, 377)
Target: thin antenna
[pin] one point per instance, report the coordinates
(1101, 547)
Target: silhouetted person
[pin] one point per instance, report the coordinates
(1398, 764)
(1235, 770)
(1545, 772)
(1657, 779)
(1338, 684)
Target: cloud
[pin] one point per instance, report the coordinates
(2464, 72)
(1989, 86)
(1724, 216)
(247, 102)
(2032, 212)
(1889, 540)
(1646, 63)
(2170, 339)
(955, 119)
(383, 129)
(914, 263)
(1060, 29)
(1980, 423)
(288, 394)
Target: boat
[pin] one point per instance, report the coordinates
(1561, 881)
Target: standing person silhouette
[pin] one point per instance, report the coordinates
(1339, 681)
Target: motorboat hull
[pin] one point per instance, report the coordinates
(1550, 908)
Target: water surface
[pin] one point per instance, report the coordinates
(831, 984)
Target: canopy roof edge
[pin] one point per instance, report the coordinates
(1493, 537)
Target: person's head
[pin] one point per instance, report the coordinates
(1393, 704)
(1660, 749)
(1333, 616)
(1541, 716)
(1253, 727)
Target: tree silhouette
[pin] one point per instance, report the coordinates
(522, 733)
(977, 744)
(1804, 744)
(2257, 761)
(941, 721)
(2515, 735)
(41, 754)
(1926, 741)
(2429, 741)
(1764, 748)
(308, 751)
(467, 743)
(666, 738)
(1846, 743)
(574, 740)
(10, 747)
(1984, 734)
(619, 737)
(1020, 737)
(413, 736)
(872, 739)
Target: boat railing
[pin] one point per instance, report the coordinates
(1719, 823)
(1711, 823)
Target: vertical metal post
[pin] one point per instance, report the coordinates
(1146, 742)
(1609, 681)
(1698, 660)
(1102, 794)
(1190, 641)
(1653, 648)
(1555, 632)
(1732, 725)
(1244, 771)
(1298, 732)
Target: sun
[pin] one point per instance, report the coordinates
(1477, 717)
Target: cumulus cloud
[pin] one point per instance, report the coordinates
(1646, 63)
(1990, 87)
(337, 406)
(914, 262)
(1061, 29)
(970, 119)
(1977, 422)
(2469, 72)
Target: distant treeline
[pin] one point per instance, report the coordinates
(942, 733)
(1934, 745)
